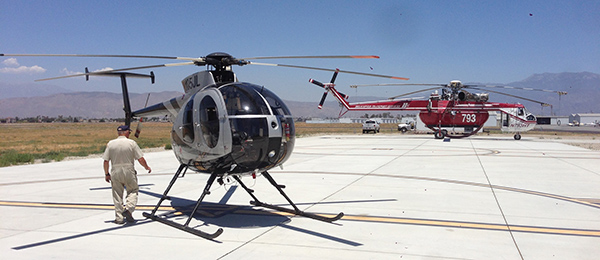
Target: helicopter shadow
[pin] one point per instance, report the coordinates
(240, 216)
(220, 213)
(234, 216)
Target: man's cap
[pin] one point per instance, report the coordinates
(123, 128)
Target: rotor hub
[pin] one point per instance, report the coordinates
(221, 61)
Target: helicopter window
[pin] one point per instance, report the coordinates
(187, 129)
(241, 99)
(209, 121)
(521, 111)
(276, 104)
(223, 76)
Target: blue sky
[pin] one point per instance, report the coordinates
(426, 41)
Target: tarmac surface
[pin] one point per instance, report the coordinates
(403, 196)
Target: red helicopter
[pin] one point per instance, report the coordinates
(454, 113)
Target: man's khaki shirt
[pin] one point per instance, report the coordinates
(122, 151)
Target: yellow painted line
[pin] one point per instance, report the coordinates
(374, 219)
(484, 226)
(73, 206)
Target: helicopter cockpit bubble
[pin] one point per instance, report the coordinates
(241, 127)
(261, 125)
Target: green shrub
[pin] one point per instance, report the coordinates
(12, 157)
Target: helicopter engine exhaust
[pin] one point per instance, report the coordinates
(464, 95)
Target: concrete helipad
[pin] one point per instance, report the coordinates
(404, 196)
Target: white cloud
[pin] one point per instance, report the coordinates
(103, 69)
(23, 69)
(11, 62)
(14, 68)
(69, 72)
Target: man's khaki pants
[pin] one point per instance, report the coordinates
(122, 177)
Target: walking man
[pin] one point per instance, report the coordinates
(122, 152)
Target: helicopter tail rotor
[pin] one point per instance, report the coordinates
(327, 87)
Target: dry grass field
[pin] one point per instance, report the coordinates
(26, 143)
(29, 142)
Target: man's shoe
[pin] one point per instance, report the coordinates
(119, 222)
(128, 216)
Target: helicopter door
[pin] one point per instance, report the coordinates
(213, 132)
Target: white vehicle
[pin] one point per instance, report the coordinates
(370, 126)
(403, 127)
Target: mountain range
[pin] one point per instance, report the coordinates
(30, 100)
(583, 90)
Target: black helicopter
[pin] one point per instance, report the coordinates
(221, 126)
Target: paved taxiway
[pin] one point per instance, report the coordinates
(404, 196)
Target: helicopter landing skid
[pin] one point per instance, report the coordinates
(185, 227)
(295, 211)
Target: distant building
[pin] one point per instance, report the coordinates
(552, 120)
(379, 120)
(8, 120)
(585, 118)
(345, 120)
(316, 120)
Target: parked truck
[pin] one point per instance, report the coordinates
(370, 126)
(404, 127)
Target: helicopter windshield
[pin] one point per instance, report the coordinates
(242, 99)
(249, 99)
(529, 115)
(277, 106)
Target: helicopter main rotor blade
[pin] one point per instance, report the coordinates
(119, 70)
(316, 57)
(531, 100)
(323, 69)
(511, 87)
(397, 84)
(414, 92)
(104, 56)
